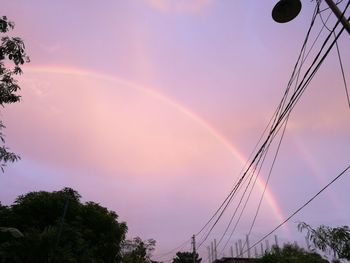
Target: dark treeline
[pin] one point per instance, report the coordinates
(57, 227)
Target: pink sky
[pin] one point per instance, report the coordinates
(150, 107)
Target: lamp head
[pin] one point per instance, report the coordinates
(286, 10)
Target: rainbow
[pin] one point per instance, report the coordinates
(315, 170)
(177, 106)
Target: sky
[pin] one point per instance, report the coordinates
(152, 108)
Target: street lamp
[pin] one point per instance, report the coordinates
(286, 10)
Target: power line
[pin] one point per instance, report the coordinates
(267, 142)
(279, 144)
(281, 116)
(267, 181)
(312, 74)
(247, 199)
(299, 209)
(294, 98)
(232, 192)
(342, 72)
(339, 56)
(327, 8)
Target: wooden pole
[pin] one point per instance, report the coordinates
(248, 246)
(276, 241)
(267, 245)
(215, 251)
(240, 248)
(209, 255)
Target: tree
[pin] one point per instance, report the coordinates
(57, 227)
(137, 251)
(186, 257)
(11, 50)
(337, 239)
(290, 254)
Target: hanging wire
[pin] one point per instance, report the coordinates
(307, 78)
(338, 53)
(281, 115)
(342, 72)
(299, 94)
(298, 210)
(279, 109)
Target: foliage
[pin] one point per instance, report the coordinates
(57, 227)
(337, 239)
(186, 257)
(11, 51)
(290, 254)
(137, 251)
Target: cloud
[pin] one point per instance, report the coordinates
(179, 6)
(51, 48)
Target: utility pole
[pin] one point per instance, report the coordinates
(276, 241)
(248, 246)
(194, 248)
(339, 14)
(215, 251)
(240, 248)
(267, 245)
(209, 255)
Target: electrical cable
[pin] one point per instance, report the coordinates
(233, 191)
(247, 199)
(339, 58)
(312, 74)
(276, 114)
(299, 209)
(229, 198)
(302, 86)
(239, 203)
(284, 129)
(250, 156)
(281, 138)
(241, 213)
(342, 71)
(267, 181)
(327, 8)
(279, 117)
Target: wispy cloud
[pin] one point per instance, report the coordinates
(179, 6)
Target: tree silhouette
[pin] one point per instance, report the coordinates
(324, 237)
(57, 227)
(137, 250)
(186, 257)
(290, 254)
(11, 51)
